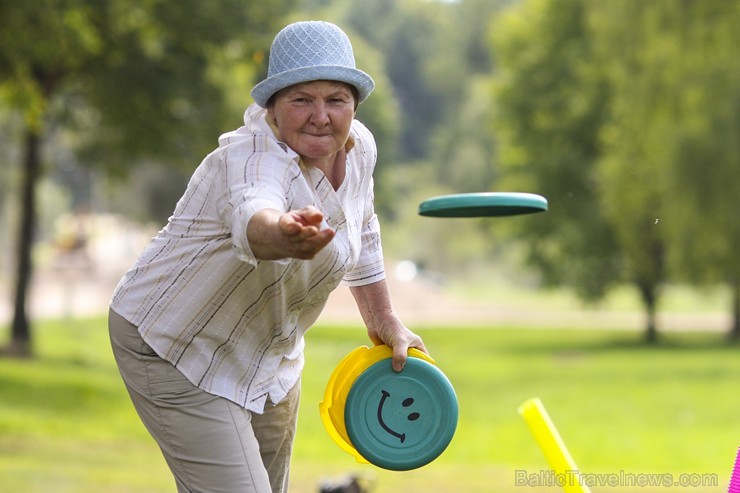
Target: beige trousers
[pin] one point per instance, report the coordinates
(211, 444)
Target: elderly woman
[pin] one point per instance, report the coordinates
(207, 326)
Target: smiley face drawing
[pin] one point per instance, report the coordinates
(401, 421)
(406, 403)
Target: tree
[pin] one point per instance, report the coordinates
(706, 149)
(551, 101)
(633, 169)
(641, 96)
(127, 79)
(673, 72)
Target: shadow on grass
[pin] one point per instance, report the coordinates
(597, 341)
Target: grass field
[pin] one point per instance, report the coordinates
(66, 424)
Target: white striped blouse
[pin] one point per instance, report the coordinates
(234, 325)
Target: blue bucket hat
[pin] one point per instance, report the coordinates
(307, 51)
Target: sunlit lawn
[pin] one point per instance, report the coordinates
(66, 424)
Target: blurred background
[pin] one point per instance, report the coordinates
(625, 114)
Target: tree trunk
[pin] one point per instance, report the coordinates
(649, 298)
(20, 344)
(735, 329)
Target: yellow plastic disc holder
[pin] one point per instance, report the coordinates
(338, 387)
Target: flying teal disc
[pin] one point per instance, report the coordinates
(401, 421)
(488, 204)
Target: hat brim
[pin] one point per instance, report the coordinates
(262, 92)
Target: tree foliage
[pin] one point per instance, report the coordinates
(625, 114)
(674, 131)
(551, 100)
(126, 79)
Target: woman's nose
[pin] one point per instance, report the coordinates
(320, 115)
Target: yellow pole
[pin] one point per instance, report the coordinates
(565, 471)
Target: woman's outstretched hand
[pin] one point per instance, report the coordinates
(298, 234)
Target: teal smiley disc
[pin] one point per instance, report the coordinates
(401, 421)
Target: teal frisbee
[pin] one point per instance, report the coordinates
(401, 421)
(486, 204)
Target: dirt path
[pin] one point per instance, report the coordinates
(71, 286)
(75, 292)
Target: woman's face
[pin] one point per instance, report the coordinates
(314, 118)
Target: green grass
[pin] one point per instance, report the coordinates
(66, 424)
